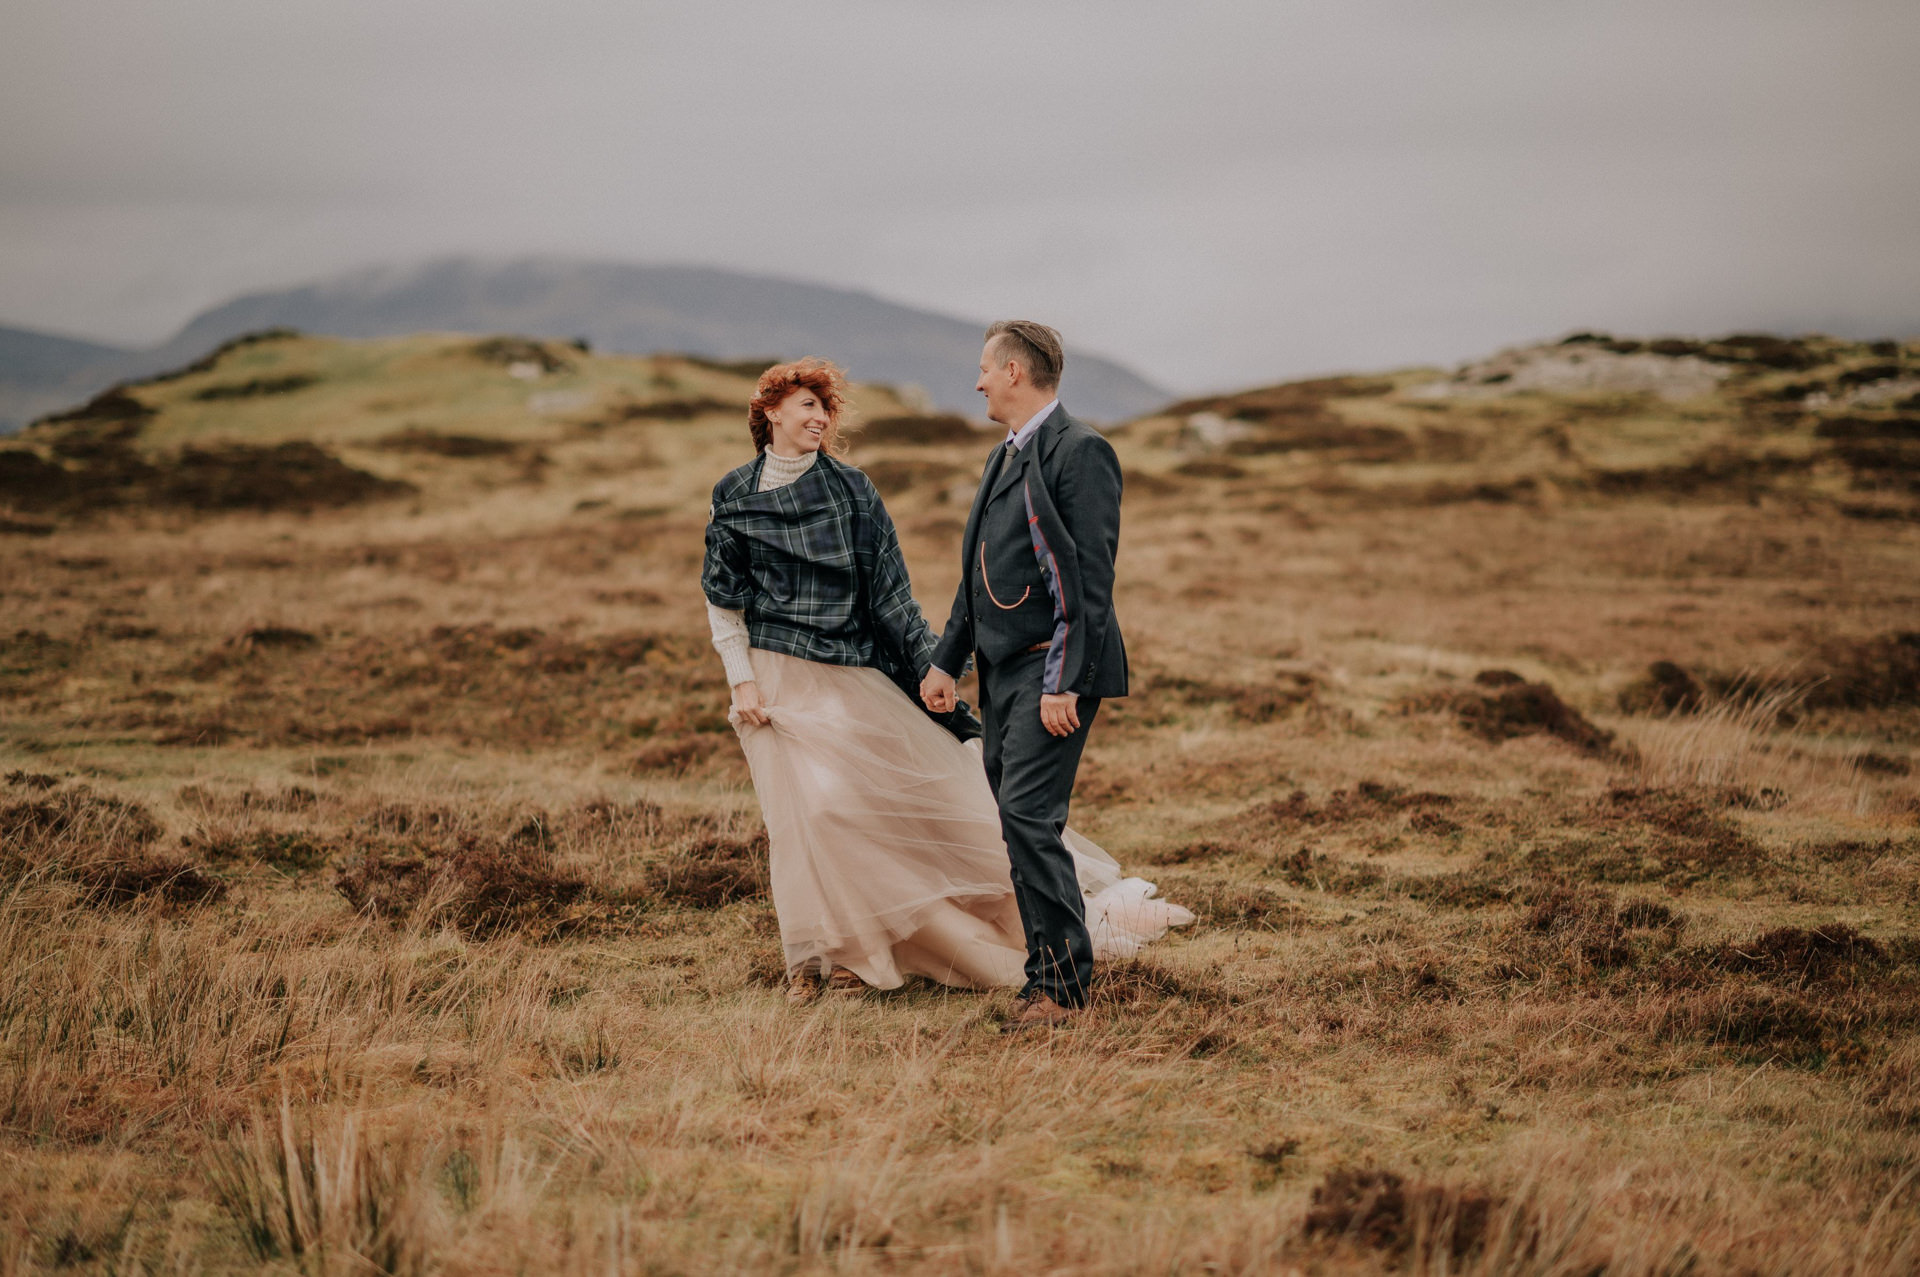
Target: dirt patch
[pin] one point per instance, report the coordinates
(1763, 350)
(1235, 904)
(99, 843)
(1721, 471)
(1844, 431)
(1879, 764)
(1275, 1154)
(97, 470)
(1519, 491)
(1756, 1022)
(280, 637)
(1666, 688)
(894, 475)
(1204, 469)
(115, 405)
(1367, 800)
(259, 641)
(467, 683)
(1260, 702)
(677, 753)
(27, 652)
(1364, 444)
(933, 428)
(1834, 953)
(1294, 417)
(289, 476)
(1379, 1210)
(1502, 705)
(71, 822)
(1677, 829)
(1145, 483)
(1194, 853)
(1474, 888)
(1576, 928)
(1867, 374)
(750, 368)
(1316, 871)
(1882, 453)
(678, 409)
(433, 443)
(482, 885)
(284, 849)
(167, 878)
(1432, 822)
(1864, 673)
(1811, 997)
(711, 873)
(292, 798)
(1143, 982)
(257, 388)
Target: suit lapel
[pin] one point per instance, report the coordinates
(971, 537)
(1052, 431)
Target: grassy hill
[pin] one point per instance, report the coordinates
(622, 306)
(1536, 742)
(283, 421)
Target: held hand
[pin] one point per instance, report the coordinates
(1060, 713)
(937, 690)
(748, 705)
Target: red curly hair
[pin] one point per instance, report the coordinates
(776, 383)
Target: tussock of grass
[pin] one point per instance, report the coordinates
(712, 872)
(329, 1199)
(1379, 1210)
(99, 844)
(480, 883)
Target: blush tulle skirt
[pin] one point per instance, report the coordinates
(885, 848)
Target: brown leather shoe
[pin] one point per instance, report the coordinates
(803, 986)
(843, 981)
(1041, 1012)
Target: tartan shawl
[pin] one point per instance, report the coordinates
(792, 558)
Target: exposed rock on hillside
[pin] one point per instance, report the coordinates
(1580, 368)
(1740, 418)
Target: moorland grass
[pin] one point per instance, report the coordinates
(481, 974)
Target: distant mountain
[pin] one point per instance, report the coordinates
(616, 306)
(40, 372)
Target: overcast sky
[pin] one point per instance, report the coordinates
(1217, 193)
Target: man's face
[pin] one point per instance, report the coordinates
(996, 383)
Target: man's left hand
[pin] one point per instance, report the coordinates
(1060, 713)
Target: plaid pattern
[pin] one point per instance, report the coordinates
(791, 560)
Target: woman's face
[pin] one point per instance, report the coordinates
(799, 424)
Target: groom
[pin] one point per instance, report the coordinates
(1035, 608)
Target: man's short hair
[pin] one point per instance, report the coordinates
(1036, 347)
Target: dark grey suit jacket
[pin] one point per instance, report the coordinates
(1071, 481)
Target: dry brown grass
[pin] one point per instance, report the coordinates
(381, 889)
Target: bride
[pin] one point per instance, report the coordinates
(885, 850)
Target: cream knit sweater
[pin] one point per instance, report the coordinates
(728, 625)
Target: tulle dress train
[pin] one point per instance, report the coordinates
(885, 849)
